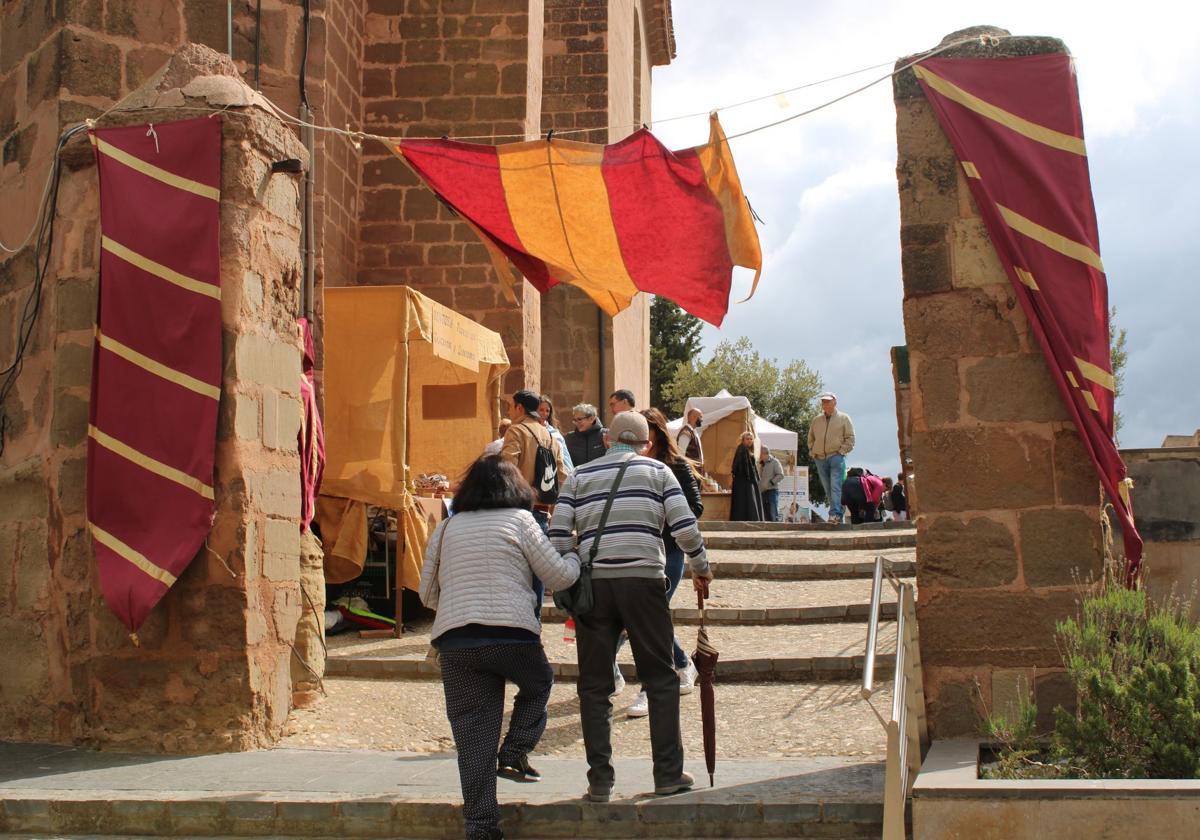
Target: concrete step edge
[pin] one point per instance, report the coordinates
(836, 668)
(740, 569)
(205, 814)
(825, 614)
(806, 542)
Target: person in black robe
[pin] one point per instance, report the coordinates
(746, 503)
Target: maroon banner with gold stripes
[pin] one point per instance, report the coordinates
(1016, 126)
(611, 220)
(156, 369)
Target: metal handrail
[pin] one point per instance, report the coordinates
(906, 730)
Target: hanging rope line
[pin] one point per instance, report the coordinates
(357, 137)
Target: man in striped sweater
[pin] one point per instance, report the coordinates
(630, 587)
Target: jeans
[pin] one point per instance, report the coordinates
(832, 472)
(638, 605)
(539, 588)
(770, 499)
(674, 575)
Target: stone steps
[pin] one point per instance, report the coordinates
(290, 793)
(755, 653)
(789, 527)
(750, 601)
(831, 540)
(811, 564)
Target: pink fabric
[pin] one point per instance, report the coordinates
(312, 434)
(872, 488)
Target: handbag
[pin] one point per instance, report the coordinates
(579, 598)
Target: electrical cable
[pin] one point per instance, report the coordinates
(257, 44)
(43, 247)
(304, 54)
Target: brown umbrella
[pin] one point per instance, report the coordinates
(705, 660)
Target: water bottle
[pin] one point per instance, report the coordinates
(569, 631)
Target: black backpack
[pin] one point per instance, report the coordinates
(545, 473)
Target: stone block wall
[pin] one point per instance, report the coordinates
(1166, 502)
(596, 85)
(463, 68)
(1008, 500)
(211, 671)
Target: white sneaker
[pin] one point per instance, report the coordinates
(618, 684)
(687, 679)
(640, 707)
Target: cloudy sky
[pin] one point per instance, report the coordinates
(825, 184)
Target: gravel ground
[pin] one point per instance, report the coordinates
(754, 720)
(749, 593)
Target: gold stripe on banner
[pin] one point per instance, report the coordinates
(1071, 378)
(157, 368)
(159, 270)
(147, 463)
(1032, 130)
(149, 169)
(970, 169)
(1096, 374)
(566, 174)
(1053, 241)
(1025, 277)
(1089, 399)
(133, 556)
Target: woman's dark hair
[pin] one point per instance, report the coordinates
(662, 445)
(528, 400)
(491, 483)
(546, 399)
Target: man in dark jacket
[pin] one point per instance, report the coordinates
(586, 443)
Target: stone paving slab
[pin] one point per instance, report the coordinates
(311, 793)
(817, 564)
(804, 652)
(835, 540)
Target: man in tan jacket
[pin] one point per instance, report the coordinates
(830, 440)
(520, 448)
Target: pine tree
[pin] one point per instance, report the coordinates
(674, 339)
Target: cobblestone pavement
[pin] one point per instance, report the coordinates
(754, 720)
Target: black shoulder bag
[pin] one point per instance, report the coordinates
(578, 599)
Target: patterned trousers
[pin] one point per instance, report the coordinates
(473, 680)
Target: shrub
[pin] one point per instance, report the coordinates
(1136, 669)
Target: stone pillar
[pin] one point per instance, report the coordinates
(212, 669)
(595, 76)
(1008, 500)
(463, 68)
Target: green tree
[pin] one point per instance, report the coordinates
(674, 340)
(1116, 343)
(785, 395)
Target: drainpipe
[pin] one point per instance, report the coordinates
(308, 292)
(229, 26)
(600, 359)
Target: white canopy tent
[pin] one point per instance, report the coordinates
(723, 404)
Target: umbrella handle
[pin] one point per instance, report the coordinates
(701, 592)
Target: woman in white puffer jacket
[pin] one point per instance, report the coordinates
(478, 575)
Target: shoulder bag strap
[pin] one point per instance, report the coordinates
(607, 507)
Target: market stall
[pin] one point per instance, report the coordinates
(411, 398)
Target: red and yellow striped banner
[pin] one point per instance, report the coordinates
(612, 220)
(156, 370)
(1016, 126)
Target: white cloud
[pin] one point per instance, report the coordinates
(825, 183)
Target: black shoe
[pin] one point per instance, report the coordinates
(518, 770)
